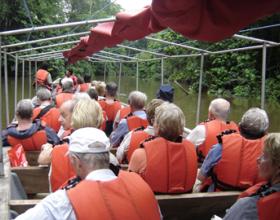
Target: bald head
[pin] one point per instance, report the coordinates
(219, 109)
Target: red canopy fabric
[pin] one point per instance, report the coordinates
(206, 20)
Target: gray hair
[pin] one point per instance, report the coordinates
(220, 108)
(43, 94)
(137, 99)
(169, 120)
(24, 109)
(94, 161)
(81, 95)
(254, 122)
(67, 85)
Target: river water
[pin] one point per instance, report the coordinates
(188, 103)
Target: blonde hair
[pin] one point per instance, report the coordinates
(151, 108)
(87, 113)
(272, 148)
(170, 121)
(100, 88)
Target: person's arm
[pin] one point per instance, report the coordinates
(197, 135)
(118, 134)
(212, 158)
(55, 206)
(122, 149)
(45, 155)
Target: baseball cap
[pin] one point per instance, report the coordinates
(165, 92)
(89, 140)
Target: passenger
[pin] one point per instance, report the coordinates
(31, 135)
(167, 162)
(86, 113)
(121, 114)
(93, 94)
(136, 119)
(231, 163)
(262, 201)
(43, 78)
(46, 111)
(100, 88)
(84, 87)
(133, 139)
(166, 93)
(67, 92)
(110, 105)
(100, 194)
(203, 136)
(69, 74)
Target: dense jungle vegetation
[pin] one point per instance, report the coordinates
(229, 74)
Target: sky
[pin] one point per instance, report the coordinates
(132, 5)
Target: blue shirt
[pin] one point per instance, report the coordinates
(122, 129)
(212, 158)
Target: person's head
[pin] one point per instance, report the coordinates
(151, 108)
(87, 78)
(254, 123)
(169, 121)
(81, 95)
(269, 161)
(166, 93)
(66, 110)
(137, 100)
(43, 95)
(24, 110)
(44, 66)
(86, 113)
(69, 72)
(219, 109)
(67, 84)
(92, 93)
(100, 88)
(111, 89)
(88, 150)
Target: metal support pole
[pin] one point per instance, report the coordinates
(30, 83)
(22, 80)
(120, 75)
(6, 89)
(16, 82)
(162, 66)
(104, 72)
(199, 89)
(1, 148)
(36, 85)
(263, 75)
(137, 75)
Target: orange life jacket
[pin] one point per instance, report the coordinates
(124, 112)
(42, 77)
(110, 109)
(136, 138)
(61, 168)
(84, 87)
(267, 205)
(212, 129)
(237, 168)
(134, 122)
(171, 167)
(127, 197)
(62, 97)
(32, 143)
(50, 118)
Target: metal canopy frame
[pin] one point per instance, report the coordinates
(26, 55)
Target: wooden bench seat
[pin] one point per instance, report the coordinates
(184, 206)
(34, 179)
